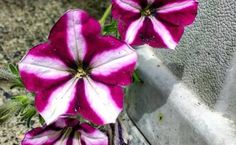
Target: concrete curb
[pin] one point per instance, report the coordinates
(163, 93)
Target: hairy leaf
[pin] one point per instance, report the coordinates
(18, 105)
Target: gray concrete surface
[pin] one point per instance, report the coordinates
(168, 112)
(188, 95)
(133, 135)
(227, 98)
(205, 51)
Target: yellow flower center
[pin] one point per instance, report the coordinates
(80, 73)
(147, 12)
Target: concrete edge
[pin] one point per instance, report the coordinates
(212, 126)
(227, 98)
(135, 136)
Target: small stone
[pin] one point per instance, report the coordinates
(7, 95)
(1, 56)
(1, 101)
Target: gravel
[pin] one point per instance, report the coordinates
(24, 24)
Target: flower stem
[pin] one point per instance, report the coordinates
(110, 133)
(136, 77)
(105, 15)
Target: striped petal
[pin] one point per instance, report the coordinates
(126, 17)
(69, 32)
(180, 13)
(46, 135)
(92, 136)
(71, 134)
(98, 102)
(132, 30)
(46, 68)
(168, 18)
(150, 2)
(157, 34)
(114, 65)
(170, 35)
(128, 5)
(56, 101)
(176, 6)
(40, 71)
(40, 137)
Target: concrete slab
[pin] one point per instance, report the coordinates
(169, 113)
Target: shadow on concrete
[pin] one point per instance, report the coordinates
(146, 97)
(177, 69)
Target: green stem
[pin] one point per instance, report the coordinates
(136, 77)
(105, 15)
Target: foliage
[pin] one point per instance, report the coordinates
(111, 29)
(21, 106)
(15, 72)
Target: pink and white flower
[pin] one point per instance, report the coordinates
(158, 23)
(65, 132)
(78, 71)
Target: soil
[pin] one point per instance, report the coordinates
(24, 24)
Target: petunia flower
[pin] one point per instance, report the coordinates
(78, 71)
(65, 132)
(158, 23)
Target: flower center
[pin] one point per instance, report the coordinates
(66, 132)
(80, 73)
(149, 10)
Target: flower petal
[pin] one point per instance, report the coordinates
(43, 67)
(92, 136)
(132, 30)
(176, 6)
(66, 138)
(159, 35)
(68, 33)
(169, 35)
(66, 121)
(178, 13)
(127, 5)
(55, 101)
(40, 71)
(98, 102)
(41, 136)
(77, 134)
(63, 131)
(124, 17)
(115, 65)
(129, 22)
(150, 1)
(149, 36)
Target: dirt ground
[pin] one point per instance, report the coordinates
(23, 24)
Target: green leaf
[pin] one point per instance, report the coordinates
(111, 29)
(13, 69)
(18, 105)
(136, 77)
(28, 113)
(41, 120)
(7, 75)
(20, 85)
(23, 99)
(8, 110)
(126, 90)
(12, 75)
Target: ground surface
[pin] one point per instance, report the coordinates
(23, 24)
